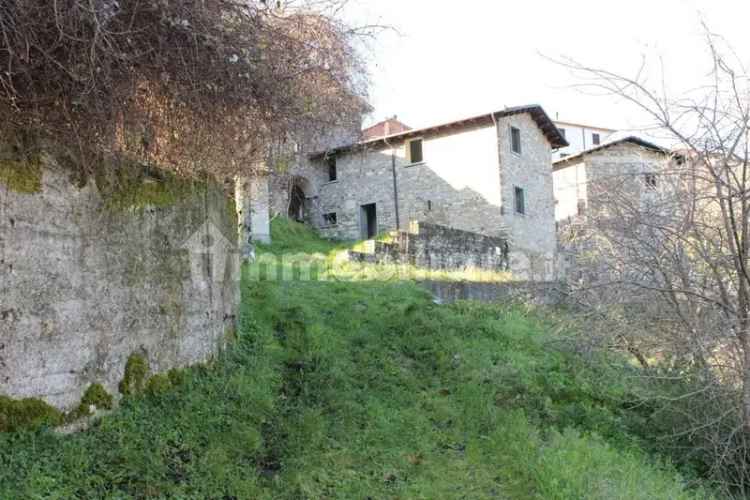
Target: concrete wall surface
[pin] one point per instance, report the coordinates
(85, 282)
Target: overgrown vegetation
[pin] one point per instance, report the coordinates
(362, 389)
(30, 413)
(662, 254)
(192, 86)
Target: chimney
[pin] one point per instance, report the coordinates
(388, 124)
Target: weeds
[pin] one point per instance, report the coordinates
(360, 389)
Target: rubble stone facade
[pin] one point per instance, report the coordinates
(467, 179)
(432, 246)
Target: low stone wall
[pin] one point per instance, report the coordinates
(534, 293)
(88, 280)
(431, 246)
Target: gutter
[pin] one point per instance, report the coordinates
(395, 183)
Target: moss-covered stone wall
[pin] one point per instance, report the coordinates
(95, 269)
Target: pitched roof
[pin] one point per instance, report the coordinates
(538, 114)
(563, 162)
(384, 128)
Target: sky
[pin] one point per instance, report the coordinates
(454, 59)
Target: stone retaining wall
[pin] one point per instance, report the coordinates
(87, 280)
(431, 246)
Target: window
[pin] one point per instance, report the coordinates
(562, 132)
(519, 200)
(330, 219)
(332, 172)
(596, 139)
(650, 180)
(415, 151)
(515, 140)
(429, 205)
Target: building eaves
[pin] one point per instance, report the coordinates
(576, 158)
(543, 121)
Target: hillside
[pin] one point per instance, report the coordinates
(360, 387)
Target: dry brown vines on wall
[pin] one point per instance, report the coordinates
(190, 85)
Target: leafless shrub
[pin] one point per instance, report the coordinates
(665, 270)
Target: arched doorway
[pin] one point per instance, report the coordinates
(298, 204)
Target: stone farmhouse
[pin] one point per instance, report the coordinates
(489, 174)
(593, 187)
(577, 179)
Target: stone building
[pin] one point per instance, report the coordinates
(611, 189)
(490, 174)
(630, 161)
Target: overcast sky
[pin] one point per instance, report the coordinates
(454, 59)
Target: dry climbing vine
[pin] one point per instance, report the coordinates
(190, 85)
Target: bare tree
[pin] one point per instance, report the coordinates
(665, 258)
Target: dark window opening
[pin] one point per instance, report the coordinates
(515, 140)
(520, 201)
(369, 221)
(330, 219)
(650, 180)
(297, 204)
(332, 172)
(415, 151)
(562, 132)
(429, 205)
(596, 139)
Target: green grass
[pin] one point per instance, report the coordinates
(295, 246)
(361, 389)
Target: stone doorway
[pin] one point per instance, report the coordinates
(369, 221)
(298, 200)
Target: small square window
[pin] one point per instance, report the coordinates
(520, 201)
(650, 180)
(415, 151)
(515, 140)
(596, 139)
(332, 171)
(330, 219)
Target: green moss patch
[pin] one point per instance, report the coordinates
(133, 186)
(22, 176)
(20, 414)
(98, 396)
(158, 384)
(176, 376)
(134, 379)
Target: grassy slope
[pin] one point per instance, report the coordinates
(358, 390)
